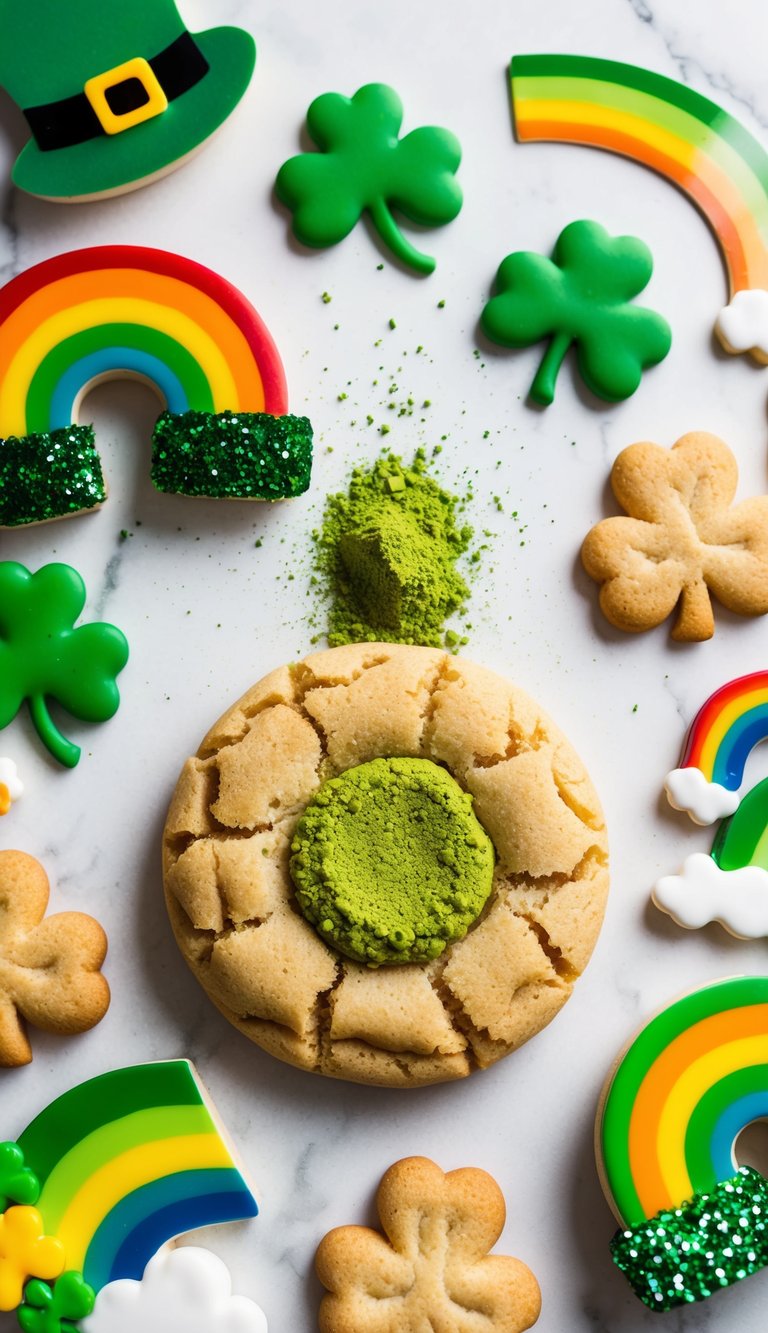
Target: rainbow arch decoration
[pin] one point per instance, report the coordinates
(690, 1082)
(725, 731)
(109, 312)
(685, 137)
(128, 1161)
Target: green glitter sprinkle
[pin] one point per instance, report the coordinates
(687, 1254)
(49, 475)
(387, 553)
(390, 863)
(232, 456)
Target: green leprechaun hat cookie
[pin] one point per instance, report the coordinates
(114, 94)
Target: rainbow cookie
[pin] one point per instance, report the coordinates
(685, 137)
(724, 732)
(691, 1220)
(115, 95)
(125, 1163)
(730, 885)
(129, 312)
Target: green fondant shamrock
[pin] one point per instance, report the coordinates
(42, 655)
(55, 1309)
(18, 1183)
(364, 165)
(582, 295)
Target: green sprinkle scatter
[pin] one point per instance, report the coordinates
(327, 298)
(392, 324)
(441, 305)
(379, 268)
(384, 430)
(49, 475)
(390, 863)
(688, 1253)
(635, 708)
(386, 556)
(237, 456)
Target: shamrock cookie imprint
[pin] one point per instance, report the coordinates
(683, 541)
(432, 1269)
(49, 966)
(300, 951)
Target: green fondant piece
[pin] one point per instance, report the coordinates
(741, 840)
(18, 1183)
(232, 455)
(43, 656)
(56, 1309)
(49, 475)
(364, 165)
(390, 863)
(688, 1253)
(48, 52)
(582, 295)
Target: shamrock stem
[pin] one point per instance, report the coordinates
(695, 621)
(543, 388)
(63, 750)
(392, 236)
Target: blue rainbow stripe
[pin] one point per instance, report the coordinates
(144, 1221)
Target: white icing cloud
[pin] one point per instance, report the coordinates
(743, 325)
(705, 802)
(185, 1290)
(738, 899)
(9, 776)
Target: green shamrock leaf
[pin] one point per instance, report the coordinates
(42, 655)
(18, 1183)
(54, 1309)
(363, 164)
(582, 295)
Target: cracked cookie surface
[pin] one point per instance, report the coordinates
(227, 847)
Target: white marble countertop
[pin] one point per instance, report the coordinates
(207, 613)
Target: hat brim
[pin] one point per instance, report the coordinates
(113, 164)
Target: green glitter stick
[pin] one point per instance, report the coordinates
(232, 455)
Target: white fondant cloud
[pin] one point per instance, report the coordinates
(738, 899)
(9, 776)
(705, 802)
(743, 325)
(185, 1290)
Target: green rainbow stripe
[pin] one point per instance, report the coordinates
(742, 840)
(92, 1105)
(154, 344)
(103, 1145)
(701, 1140)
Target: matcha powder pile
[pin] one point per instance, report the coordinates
(386, 557)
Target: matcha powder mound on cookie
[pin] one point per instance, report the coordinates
(390, 863)
(387, 553)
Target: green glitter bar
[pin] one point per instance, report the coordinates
(710, 1242)
(232, 455)
(50, 475)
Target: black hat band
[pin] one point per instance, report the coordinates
(73, 120)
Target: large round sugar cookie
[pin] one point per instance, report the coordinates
(227, 849)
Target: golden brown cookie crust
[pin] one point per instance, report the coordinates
(226, 849)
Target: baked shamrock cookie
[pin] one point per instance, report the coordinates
(387, 865)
